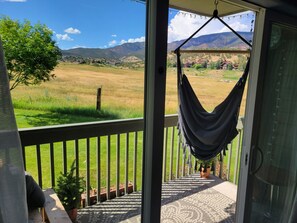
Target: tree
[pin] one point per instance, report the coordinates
(30, 53)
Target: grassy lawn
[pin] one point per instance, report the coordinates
(71, 98)
(34, 117)
(45, 152)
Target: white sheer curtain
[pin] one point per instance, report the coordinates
(278, 131)
(13, 206)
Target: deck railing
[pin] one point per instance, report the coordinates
(108, 154)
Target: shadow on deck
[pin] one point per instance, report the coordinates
(188, 199)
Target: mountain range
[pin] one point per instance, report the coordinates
(226, 40)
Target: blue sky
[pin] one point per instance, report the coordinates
(107, 23)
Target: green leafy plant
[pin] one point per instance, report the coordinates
(31, 54)
(204, 164)
(69, 188)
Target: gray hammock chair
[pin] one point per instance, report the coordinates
(207, 134)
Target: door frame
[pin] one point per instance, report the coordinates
(249, 114)
(264, 19)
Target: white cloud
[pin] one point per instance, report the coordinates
(140, 39)
(74, 47)
(183, 25)
(236, 26)
(114, 35)
(112, 43)
(71, 30)
(78, 46)
(63, 37)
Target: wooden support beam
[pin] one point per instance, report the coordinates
(212, 51)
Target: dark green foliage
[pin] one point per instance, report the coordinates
(218, 65)
(212, 65)
(171, 63)
(229, 66)
(204, 64)
(69, 188)
(205, 164)
(241, 62)
(198, 66)
(30, 52)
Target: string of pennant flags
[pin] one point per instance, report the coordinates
(248, 15)
(192, 15)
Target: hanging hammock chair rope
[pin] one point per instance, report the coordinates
(215, 16)
(206, 134)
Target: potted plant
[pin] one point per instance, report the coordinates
(205, 166)
(69, 189)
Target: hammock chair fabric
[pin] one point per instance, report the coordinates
(207, 134)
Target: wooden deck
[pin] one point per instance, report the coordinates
(189, 199)
(52, 212)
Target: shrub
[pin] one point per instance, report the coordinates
(198, 66)
(69, 188)
(229, 66)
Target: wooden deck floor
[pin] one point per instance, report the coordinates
(189, 199)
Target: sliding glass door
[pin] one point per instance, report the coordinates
(271, 188)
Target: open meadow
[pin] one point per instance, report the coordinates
(71, 98)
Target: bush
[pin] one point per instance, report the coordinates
(229, 66)
(218, 64)
(69, 188)
(198, 66)
(212, 65)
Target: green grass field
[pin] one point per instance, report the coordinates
(71, 98)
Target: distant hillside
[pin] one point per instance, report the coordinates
(218, 40)
(117, 52)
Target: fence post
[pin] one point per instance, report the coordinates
(98, 105)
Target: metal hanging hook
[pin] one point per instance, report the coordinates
(215, 11)
(216, 2)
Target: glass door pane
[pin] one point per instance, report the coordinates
(275, 168)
